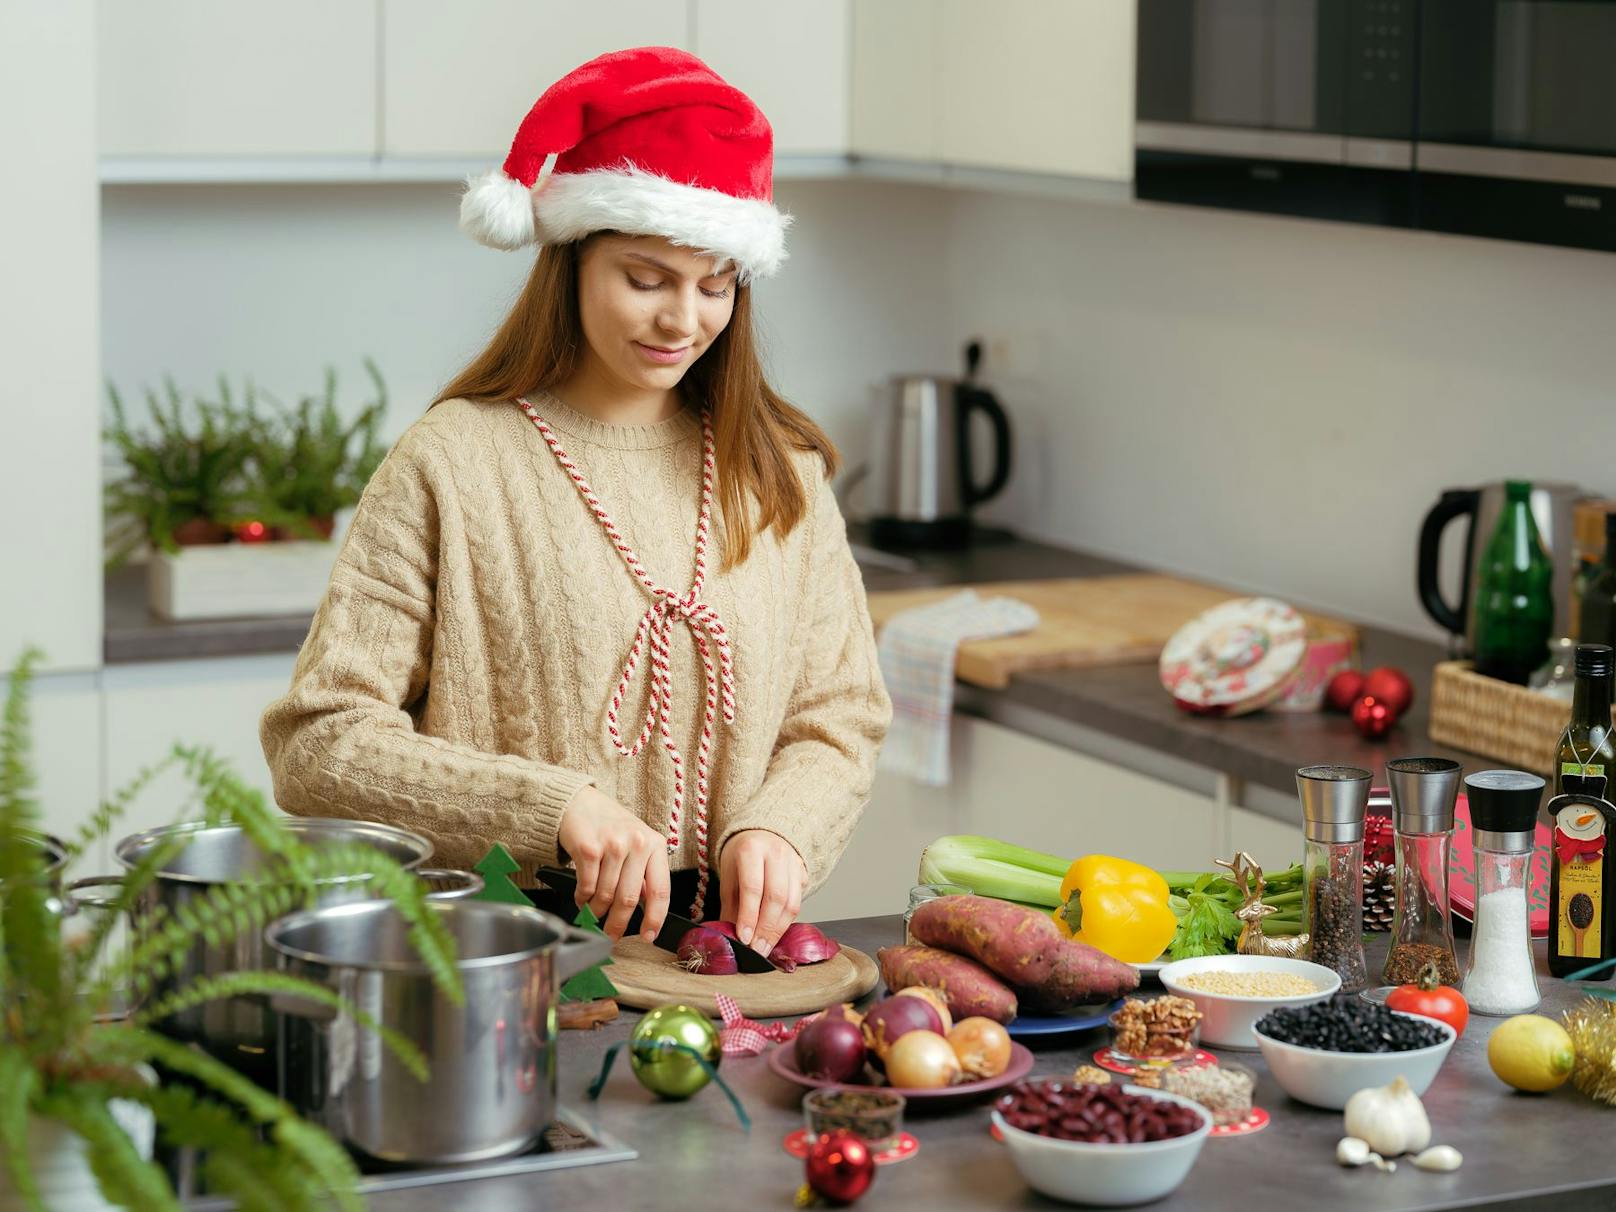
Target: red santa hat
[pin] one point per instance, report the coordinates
(648, 142)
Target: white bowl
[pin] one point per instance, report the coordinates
(1226, 1020)
(1329, 1079)
(1107, 1175)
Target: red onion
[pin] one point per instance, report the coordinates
(802, 944)
(888, 1021)
(830, 1048)
(707, 952)
(727, 929)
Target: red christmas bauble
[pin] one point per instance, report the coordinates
(1372, 718)
(1390, 686)
(251, 532)
(840, 1167)
(1343, 690)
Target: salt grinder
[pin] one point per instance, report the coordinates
(1502, 976)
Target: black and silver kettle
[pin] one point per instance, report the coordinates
(923, 480)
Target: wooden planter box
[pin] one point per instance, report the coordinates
(1516, 726)
(231, 580)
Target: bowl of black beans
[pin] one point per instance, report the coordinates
(1325, 1053)
(1104, 1145)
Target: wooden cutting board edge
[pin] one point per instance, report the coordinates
(646, 977)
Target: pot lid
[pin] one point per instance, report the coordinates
(1237, 657)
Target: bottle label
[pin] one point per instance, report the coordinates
(1579, 849)
(1582, 770)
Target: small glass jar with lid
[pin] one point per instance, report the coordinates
(1335, 800)
(1424, 790)
(1501, 976)
(921, 893)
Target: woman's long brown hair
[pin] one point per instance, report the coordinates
(755, 431)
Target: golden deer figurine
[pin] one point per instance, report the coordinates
(1248, 877)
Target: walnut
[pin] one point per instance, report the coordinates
(1159, 1026)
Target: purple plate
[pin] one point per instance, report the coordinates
(783, 1060)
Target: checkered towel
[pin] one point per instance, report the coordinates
(917, 650)
(740, 1036)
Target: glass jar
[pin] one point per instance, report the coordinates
(921, 893)
(1424, 791)
(1332, 909)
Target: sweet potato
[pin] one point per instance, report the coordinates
(1015, 943)
(969, 988)
(1080, 975)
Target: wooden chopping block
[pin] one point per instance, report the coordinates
(646, 977)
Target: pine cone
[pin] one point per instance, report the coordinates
(1379, 896)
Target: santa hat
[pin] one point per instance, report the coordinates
(649, 142)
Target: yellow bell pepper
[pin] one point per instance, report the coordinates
(1118, 906)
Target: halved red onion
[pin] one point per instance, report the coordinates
(802, 944)
(707, 952)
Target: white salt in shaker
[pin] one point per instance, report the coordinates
(1502, 976)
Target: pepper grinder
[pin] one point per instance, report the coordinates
(1424, 790)
(1335, 800)
(1502, 975)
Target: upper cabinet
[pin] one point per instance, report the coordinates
(789, 57)
(225, 78)
(897, 84)
(461, 77)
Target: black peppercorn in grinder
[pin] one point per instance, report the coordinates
(1424, 790)
(1335, 800)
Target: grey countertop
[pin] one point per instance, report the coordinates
(1125, 701)
(1521, 1151)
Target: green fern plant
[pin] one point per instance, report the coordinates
(59, 1063)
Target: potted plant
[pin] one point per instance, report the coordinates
(80, 1098)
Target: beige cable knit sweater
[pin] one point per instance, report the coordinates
(456, 679)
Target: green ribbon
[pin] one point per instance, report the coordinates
(1583, 974)
(599, 1084)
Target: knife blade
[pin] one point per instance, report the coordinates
(674, 925)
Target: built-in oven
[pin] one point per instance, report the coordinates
(1517, 119)
(1299, 107)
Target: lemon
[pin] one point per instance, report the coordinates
(1531, 1053)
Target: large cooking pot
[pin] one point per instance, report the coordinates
(493, 1061)
(241, 1030)
(54, 852)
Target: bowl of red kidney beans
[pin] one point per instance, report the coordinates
(1100, 1144)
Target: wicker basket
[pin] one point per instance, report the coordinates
(1497, 719)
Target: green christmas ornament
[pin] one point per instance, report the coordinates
(664, 1048)
(591, 983)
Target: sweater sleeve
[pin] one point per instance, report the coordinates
(343, 743)
(823, 763)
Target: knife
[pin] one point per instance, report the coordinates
(674, 925)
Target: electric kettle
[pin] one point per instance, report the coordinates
(923, 479)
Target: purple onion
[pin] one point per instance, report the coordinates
(707, 952)
(831, 1049)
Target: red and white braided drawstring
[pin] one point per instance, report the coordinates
(656, 627)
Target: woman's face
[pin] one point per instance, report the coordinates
(650, 308)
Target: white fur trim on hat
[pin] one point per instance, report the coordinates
(747, 231)
(497, 210)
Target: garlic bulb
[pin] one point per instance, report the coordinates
(1440, 1157)
(1351, 1151)
(1389, 1119)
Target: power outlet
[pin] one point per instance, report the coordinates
(1012, 355)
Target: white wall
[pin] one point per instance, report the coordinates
(1274, 403)
(277, 281)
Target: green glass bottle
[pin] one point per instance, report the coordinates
(1596, 620)
(1514, 600)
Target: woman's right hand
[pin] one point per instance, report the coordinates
(620, 860)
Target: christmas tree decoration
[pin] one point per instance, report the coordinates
(839, 1168)
(591, 984)
(251, 532)
(1343, 690)
(674, 1052)
(1372, 718)
(1379, 897)
(496, 868)
(1379, 840)
(1390, 686)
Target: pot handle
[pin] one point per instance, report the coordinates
(579, 949)
(72, 901)
(470, 883)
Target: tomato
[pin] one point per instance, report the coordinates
(1442, 1002)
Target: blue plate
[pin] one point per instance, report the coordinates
(1062, 1024)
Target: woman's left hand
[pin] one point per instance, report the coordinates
(762, 878)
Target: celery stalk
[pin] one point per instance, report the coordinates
(989, 867)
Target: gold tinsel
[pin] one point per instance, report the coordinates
(1592, 1027)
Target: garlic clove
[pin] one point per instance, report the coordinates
(1351, 1151)
(1381, 1164)
(1440, 1157)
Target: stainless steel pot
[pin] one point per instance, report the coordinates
(54, 851)
(241, 1030)
(493, 1061)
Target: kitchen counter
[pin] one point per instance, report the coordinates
(1521, 1152)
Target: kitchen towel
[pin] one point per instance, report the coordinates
(917, 650)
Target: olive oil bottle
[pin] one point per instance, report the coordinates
(1582, 869)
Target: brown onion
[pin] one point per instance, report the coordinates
(922, 1060)
(937, 1001)
(982, 1045)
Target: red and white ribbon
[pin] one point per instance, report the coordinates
(740, 1036)
(655, 630)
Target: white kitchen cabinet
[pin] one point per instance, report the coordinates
(1042, 86)
(896, 81)
(213, 703)
(237, 78)
(461, 77)
(65, 714)
(791, 57)
(1274, 844)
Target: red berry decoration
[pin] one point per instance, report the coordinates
(251, 532)
(840, 1167)
(1390, 686)
(1343, 690)
(1379, 840)
(1372, 718)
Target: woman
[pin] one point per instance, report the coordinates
(598, 604)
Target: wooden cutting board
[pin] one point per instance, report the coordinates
(1083, 622)
(647, 977)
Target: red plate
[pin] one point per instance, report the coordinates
(796, 1144)
(783, 1060)
(1462, 873)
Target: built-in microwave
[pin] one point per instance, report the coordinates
(1488, 117)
